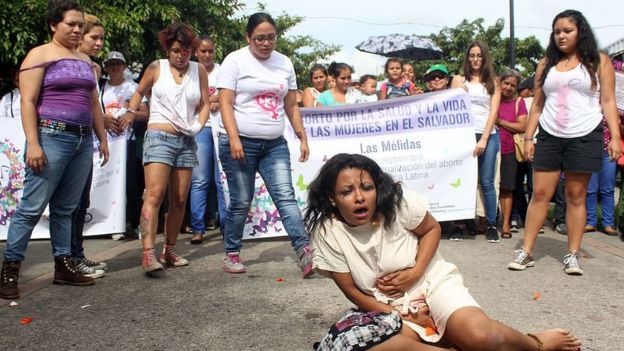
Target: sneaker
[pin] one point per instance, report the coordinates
(521, 261)
(118, 236)
(88, 271)
(457, 234)
(232, 263)
(94, 264)
(515, 228)
(571, 264)
(541, 230)
(213, 223)
(561, 228)
(150, 263)
(491, 235)
(171, 258)
(305, 260)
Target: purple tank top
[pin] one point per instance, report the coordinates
(66, 92)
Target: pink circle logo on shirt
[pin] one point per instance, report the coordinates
(268, 102)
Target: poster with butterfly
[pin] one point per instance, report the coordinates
(424, 141)
(106, 213)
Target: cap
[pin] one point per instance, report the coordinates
(115, 55)
(438, 67)
(527, 83)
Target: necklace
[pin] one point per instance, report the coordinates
(181, 73)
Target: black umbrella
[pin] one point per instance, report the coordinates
(412, 47)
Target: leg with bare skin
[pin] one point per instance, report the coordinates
(576, 191)
(544, 186)
(506, 199)
(179, 186)
(156, 179)
(469, 328)
(406, 340)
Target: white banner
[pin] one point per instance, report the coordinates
(424, 141)
(108, 200)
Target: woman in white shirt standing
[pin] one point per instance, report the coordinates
(480, 82)
(257, 92)
(10, 102)
(178, 112)
(207, 168)
(574, 89)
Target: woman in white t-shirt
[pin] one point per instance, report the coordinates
(574, 90)
(178, 111)
(480, 81)
(10, 102)
(207, 168)
(257, 93)
(378, 243)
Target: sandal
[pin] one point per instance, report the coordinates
(589, 228)
(609, 230)
(506, 235)
(197, 239)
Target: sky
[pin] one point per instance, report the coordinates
(349, 22)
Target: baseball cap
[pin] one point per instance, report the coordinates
(437, 67)
(115, 55)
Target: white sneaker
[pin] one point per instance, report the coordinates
(88, 271)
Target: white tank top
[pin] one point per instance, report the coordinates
(176, 104)
(571, 109)
(479, 106)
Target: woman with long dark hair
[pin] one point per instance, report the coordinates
(379, 244)
(574, 90)
(480, 81)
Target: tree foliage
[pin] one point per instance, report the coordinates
(132, 27)
(454, 40)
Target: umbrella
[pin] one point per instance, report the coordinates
(412, 47)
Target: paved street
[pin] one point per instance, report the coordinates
(271, 308)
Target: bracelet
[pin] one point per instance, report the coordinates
(540, 344)
(131, 111)
(528, 139)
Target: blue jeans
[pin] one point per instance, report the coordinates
(202, 176)
(78, 219)
(271, 159)
(602, 182)
(220, 195)
(68, 160)
(487, 171)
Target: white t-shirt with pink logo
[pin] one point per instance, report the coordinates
(260, 87)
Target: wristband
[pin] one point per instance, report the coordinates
(131, 111)
(528, 139)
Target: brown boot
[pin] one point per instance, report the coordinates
(66, 273)
(8, 280)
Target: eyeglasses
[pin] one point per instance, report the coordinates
(434, 76)
(475, 57)
(259, 39)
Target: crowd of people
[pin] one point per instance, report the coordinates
(558, 134)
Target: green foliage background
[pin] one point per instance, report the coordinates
(132, 27)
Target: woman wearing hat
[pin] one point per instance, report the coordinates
(115, 93)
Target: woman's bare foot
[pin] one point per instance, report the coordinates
(558, 340)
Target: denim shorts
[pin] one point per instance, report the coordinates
(178, 151)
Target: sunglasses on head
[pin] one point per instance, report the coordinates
(434, 76)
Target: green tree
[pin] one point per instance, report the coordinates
(132, 27)
(454, 40)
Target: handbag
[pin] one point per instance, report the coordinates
(359, 330)
(518, 139)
